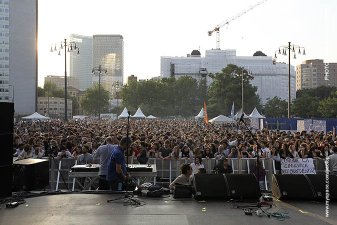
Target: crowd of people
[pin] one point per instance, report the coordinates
(168, 139)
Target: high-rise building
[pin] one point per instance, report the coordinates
(314, 73)
(271, 79)
(80, 67)
(108, 51)
(18, 54)
(19, 33)
(59, 81)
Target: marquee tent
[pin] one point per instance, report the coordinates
(124, 114)
(256, 115)
(36, 116)
(201, 114)
(221, 119)
(238, 115)
(139, 114)
(151, 117)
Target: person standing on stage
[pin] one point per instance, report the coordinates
(103, 153)
(117, 173)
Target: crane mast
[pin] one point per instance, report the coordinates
(217, 28)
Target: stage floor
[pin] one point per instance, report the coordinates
(93, 209)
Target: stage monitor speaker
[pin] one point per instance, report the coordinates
(6, 181)
(210, 186)
(6, 149)
(30, 174)
(319, 184)
(243, 186)
(7, 117)
(292, 187)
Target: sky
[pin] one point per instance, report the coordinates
(155, 28)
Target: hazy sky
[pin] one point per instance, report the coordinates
(154, 28)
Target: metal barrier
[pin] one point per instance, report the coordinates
(169, 169)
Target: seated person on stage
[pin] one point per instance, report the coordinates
(185, 178)
(85, 157)
(117, 173)
(223, 167)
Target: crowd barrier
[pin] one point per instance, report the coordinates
(169, 169)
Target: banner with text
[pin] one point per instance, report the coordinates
(297, 166)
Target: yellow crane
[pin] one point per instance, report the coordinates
(217, 28)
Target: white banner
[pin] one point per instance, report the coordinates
(297, 166)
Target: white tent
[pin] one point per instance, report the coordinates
(239, 114)
(139, 114)
(124, 114)
(255, 114)
(201, 114)
(79, 117)
(151, 117)
(35, 116)
(221, 119)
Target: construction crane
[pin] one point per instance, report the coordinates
(217, 28)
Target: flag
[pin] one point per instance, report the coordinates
(205, 113)
(232, 111)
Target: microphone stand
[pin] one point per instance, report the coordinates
(257, 146)
(128, 197)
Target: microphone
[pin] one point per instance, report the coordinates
(241, 118)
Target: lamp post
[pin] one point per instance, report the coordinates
(99, 69)
(116, 85)
(68, 46)
(242, 74)
(291, 48)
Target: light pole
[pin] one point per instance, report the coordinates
(242, 74)
(71, 47)
(291, 48)
(99, 69)
(116, 85)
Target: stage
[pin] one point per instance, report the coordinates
(92, 209)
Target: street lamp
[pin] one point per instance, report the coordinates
(68, 46)
(99, 69)
(283, 51)
(116, 85)
(243, 73)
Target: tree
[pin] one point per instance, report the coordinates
(93, 100)
(328, 107)
(306, 106)
(226, 89)
(275, 107)
(259, 53)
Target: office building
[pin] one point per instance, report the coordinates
(108, 52)
(80, 66)
(315, 73)
(270, 78)
(18, 54)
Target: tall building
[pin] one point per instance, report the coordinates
(314, 73)
(271, 79)
(19, 38)
(59, 81)
(80, 67)
(108, 51)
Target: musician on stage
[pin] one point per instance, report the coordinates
(117, 173)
